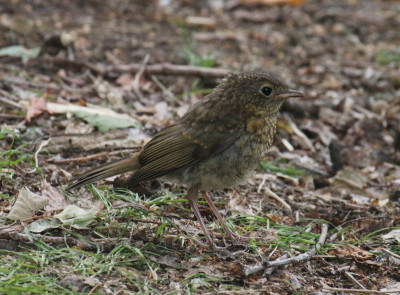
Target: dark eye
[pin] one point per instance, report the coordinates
(266, 90)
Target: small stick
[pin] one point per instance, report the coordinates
(10, 102)
(351, 277)
(360, 290)
(284, 261)
(276, 197)
(305, 256)
(391, 253)
(87, 158)
(156, 69)
(299, 133)
(42, 144)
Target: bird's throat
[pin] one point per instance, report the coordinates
(262, 129)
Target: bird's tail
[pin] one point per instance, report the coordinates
(107, 170)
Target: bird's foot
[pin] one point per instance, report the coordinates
(235, 237)
(212, 246)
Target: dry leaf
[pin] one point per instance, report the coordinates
(56, 200)
(110, 93)
(354, 252)
(77, 217)
(43, 224)
(26, 205)
(37, 106)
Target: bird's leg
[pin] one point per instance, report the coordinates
(230, 234)
(192, 196)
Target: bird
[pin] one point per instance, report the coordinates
(217, 144)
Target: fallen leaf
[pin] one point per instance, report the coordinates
(37, 106)
(56, 200)
(351, 180)
(20, 51)
(102, 118)
(107, 92)
(392, 235)
(351, 251)
(26, 205)
(77, 217)
(105, 122)
(43, 224)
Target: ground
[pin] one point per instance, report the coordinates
(92, 81)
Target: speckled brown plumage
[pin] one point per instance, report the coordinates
(217, 144)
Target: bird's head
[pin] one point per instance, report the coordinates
(256, 93)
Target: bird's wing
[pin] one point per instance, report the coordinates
(178, 146)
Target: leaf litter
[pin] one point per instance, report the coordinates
(335, 159)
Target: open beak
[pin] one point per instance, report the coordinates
(290, 93)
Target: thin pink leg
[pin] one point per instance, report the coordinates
(230, 234)
(192, 197)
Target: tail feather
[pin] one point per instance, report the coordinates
(107, 170)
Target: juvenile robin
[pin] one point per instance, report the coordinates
(217, 144)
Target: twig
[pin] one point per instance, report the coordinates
(16, 234)
(42, 144)
(390, 253)
(88, 158)
(360, 290)
(271, 265)
(11, 116)
(261, 184)
(171, 69)
(165, 90)
(305, 256)
(74, 63)
(139, 74)
(94, 288)
(10, 102)
(299, 133)
(157, 69)
(13, 80)
(363, 218)
(351, 277)
(276, 197)
(287, 145)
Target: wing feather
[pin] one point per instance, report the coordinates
(179, 146)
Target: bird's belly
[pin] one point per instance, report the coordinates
(231, 167)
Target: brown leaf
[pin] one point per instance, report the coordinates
(37, 106)
(26, 205)
(354, 252)
(56, 200)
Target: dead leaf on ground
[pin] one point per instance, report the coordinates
(56, 200)
(109, 93)
(26, 205)
(102, 118)
(238, 203)
(43, 224)
(77, 217)
(392, 235)
(351, 251)
(37, 106)
(352, 180)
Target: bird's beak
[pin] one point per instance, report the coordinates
(290, 93)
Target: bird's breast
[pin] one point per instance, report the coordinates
(229, 168)
(261, 129)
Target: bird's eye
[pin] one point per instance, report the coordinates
(266, 90)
